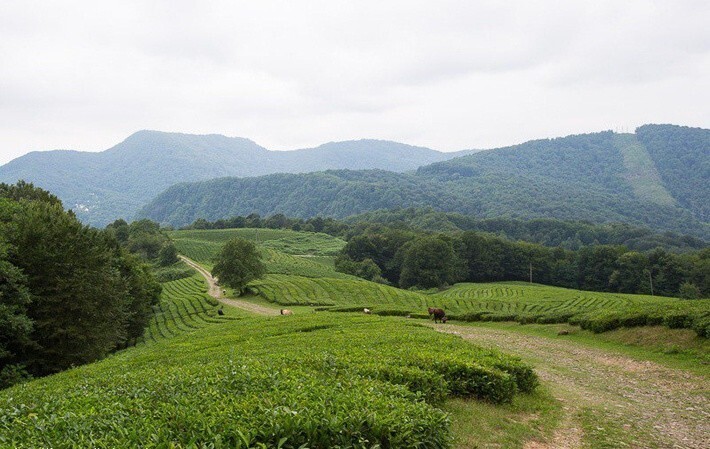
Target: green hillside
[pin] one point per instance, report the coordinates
(602, 177)
(321, 380)
(299, 281)
(184, 307)
(682, 158)
(307, 254)
(101, 187)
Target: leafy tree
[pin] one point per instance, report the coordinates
(68, 293)
(631, 274)
(168, 255)
(595, 265)
(366, 269)
(428, 262)
(121, 230)
(15, 326)
(689, 291)
(238, 263)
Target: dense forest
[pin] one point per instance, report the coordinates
(409, 258)
(70, 293)
(600, 178)
(394, 247)
(544, 231)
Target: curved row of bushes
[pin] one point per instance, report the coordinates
(317, 381)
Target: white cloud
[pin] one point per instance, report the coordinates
(449, 75)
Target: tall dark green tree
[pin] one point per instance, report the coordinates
(81, 293)
(238, 263)
(15, 326)
(429, 262)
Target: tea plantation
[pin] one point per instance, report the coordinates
(184, 306)
(297, 280)
(319, 380)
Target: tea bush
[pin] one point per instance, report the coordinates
(319, 381)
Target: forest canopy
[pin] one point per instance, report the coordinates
(69, 293)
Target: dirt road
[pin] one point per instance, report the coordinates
(215, 291)
(653, 405)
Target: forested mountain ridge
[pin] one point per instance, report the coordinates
(101, 187)
(600, 177)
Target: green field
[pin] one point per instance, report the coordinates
(322, 380)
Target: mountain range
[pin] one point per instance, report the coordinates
(656, 177)
(102, 186)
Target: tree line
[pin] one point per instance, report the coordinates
(69, 293)
(408, 258)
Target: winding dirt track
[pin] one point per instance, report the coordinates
(656, 405)
(215, 291)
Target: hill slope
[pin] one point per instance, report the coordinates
(101, 187)
(601, 177)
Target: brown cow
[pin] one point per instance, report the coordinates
(439, 314)
(286, 312)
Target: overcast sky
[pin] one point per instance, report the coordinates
(449, 75)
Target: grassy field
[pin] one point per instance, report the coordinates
(283, 251)
(318, 379)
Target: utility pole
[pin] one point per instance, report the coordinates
(650, 281)
(531, 272)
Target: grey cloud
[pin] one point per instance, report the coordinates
(449, 75)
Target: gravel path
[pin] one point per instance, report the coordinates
(658, 406)
(215, 291)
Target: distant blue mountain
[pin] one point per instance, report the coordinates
(115, 183)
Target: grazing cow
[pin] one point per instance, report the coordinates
(286, 312)
(439, 314)
(366, 311)
(444, 319)
(220, 311)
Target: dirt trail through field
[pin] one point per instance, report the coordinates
(658, 406)
(215, 291)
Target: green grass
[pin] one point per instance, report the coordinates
(312, 267)
(321, 380)
(477, 424)
(279, 252)
(345, 293)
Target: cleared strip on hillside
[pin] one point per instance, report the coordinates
(641, 171)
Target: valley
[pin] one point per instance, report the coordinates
(332, 374)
